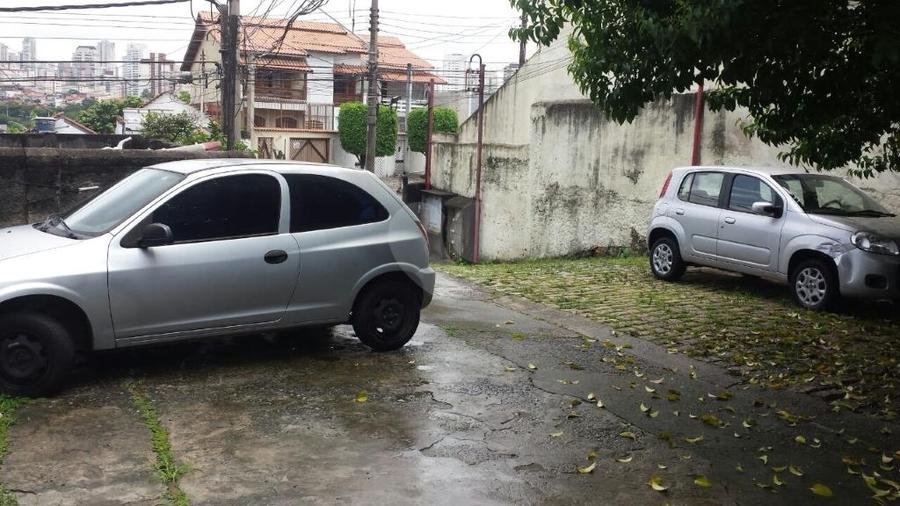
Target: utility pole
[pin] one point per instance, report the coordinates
(229, 21)
(476, 241)
(251, 98)
(372, 122)
(404, 177)
(523, 43)
(429, 135)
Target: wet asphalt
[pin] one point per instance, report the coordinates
(489, 404)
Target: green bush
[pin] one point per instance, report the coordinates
(352, 128)
(445, 122)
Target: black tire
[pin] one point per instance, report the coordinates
(814, 285)
(665, 260)
(36, 354)
(386, 315)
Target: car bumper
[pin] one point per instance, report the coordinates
(426, 281)
(869, 275)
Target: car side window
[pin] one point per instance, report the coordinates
(684, 193)
(706, 188)
(745, 190)
(223, 208)
(322, 202)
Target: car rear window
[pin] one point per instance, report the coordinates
(706, 188)
(322, 203)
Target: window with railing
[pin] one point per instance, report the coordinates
(346, 89)
(280, 84)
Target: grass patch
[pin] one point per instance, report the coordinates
(751, 325)
(8, 408)
(167, 468)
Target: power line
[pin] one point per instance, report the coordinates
(89, 6)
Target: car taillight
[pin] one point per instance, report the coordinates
(665, 188)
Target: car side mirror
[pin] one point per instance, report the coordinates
(155, 234)
(767, 209)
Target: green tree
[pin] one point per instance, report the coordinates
(445, 122)
(818, 77)
(101, 115)
(184, 96)
(352, 127)
(178, 128)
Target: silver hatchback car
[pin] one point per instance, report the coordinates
(818, 232)
(207, 248)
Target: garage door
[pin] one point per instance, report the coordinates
(310, 150)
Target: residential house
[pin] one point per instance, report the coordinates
(300, 77)
(165, 103)
(67, 125)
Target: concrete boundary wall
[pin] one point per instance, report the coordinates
(583, 182)
(36, 182)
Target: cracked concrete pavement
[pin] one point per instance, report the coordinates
(456, 417)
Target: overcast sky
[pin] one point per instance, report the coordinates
(430, 28)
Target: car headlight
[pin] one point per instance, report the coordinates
(874, 243)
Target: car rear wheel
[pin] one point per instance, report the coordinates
(814, 285)
(386, 315)
(36, 353)
(665, 259)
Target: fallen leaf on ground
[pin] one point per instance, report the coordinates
(777, 480)
(628, 435)
(702, 481)
(821, 490)
(656, 483)
(796, 470)
(588, 469)
(362, 397)
(800, 440)
(599, 403)
(557, 434)
(532, 367)
(510, 369)
(693, 440)
(591, 396)
(625, 460)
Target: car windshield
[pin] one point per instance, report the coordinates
(821, 194)
(107, 210)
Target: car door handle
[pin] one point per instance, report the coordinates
(679, 212)
(276, 256)
(729, 220)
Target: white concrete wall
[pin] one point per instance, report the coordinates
(560, 178)
(320, 82)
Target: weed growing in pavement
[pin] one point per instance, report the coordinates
(167, 468)
(8, 408)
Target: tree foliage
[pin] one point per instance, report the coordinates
(352, 128)
(184, 96)
(818, 77)
(101, 115)
(445, 121)
(177, 128)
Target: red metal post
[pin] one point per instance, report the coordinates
(698, 125)
(476, 243)
(429, 134)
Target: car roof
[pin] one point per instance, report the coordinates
(188, 167)
(769, 171)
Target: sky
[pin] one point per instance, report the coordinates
(432, 29)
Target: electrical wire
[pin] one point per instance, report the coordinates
(89, 6)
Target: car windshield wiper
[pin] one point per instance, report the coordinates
(871, 212)
(55, 220)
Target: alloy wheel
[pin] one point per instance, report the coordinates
(811, 286)
(663, 258)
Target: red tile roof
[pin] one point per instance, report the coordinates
(262, 35)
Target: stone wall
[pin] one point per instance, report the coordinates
(36, 182)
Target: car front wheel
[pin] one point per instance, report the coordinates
(36, 353)
(386, 315)
(814, 285)
(665, 259)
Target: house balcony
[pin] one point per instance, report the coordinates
(306, 117)
(266, 94)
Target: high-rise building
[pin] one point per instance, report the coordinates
(106, 50)
(29, 51)
(131, 71)
(85, 66)
(4, 53)
(454, 70)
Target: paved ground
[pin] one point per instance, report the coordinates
(494, 402)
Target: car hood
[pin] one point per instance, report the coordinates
(885, 226)
(25, 240)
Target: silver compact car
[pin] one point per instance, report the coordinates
(818, 232)
(205, 248)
